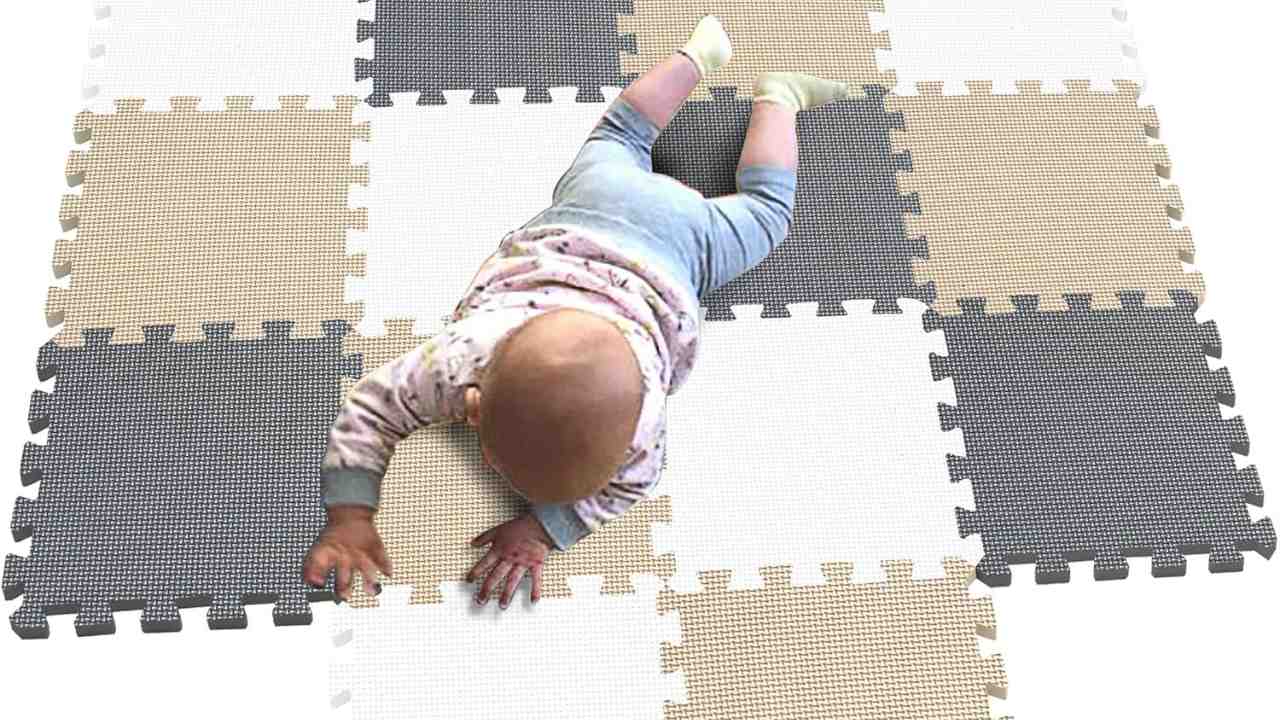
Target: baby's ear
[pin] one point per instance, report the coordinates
(472, 401)
(471, 404)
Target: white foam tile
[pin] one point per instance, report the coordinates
(447, 182)
(562, 659)
(1005, 41)
(808, 440)
(262, 671)
(156, 49)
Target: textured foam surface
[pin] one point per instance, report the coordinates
(1095, 435)
(1004, 41)
(847, 240)
(438, 494)
(808, 440)
(1041, 194)
(895, 649)
(157, 49)
(427, 47)
(446, 183)
(563, 659)
(898, 649)
(828, 38)
(187, 217)
(806, 459)
(175, 475)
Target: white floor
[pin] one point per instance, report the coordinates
(1184, 648)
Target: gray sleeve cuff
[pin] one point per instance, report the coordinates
(350, 486)
(562, 524)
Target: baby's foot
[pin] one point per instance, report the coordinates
(797, 90)
(708, 46)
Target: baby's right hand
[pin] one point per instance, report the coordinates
(349, 543)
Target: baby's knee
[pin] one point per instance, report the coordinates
(771, 192)
(774, 214)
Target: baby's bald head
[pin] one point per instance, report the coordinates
(558, 405)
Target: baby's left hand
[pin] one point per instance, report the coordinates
(517, 547)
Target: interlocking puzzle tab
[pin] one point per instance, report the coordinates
(191, 216)
(1095, 434)
(176, 475)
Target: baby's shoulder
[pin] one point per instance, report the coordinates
(465, 346)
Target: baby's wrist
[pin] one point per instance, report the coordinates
(341, 514)
(543, 535)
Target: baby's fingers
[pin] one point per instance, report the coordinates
(485, 537)
(482, 566)
(495, 577)
(535, 592)
(319, 562)
(513, 580)
(344, 577)
(370, 573)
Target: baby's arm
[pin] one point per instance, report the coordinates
(383, 408)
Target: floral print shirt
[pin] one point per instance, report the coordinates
(534, 271)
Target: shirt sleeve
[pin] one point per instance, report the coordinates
(383, 408)
(636, 480)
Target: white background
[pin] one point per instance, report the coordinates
(1193, 647)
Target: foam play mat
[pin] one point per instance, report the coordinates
(980, 346)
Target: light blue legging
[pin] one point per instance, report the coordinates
(611, 187)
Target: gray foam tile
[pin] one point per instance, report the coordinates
(429, 47)
(176, 475)
(1097, 435)
(848, 239)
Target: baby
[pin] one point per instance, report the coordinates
(565, 347)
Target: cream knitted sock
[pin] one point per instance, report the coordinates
(708, 46)
(797, 90)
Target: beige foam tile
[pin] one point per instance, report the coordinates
(900, 649)
(1043, 194)
(829, 38)
(190, 216)
(438, 494)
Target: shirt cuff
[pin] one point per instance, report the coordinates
(562, 524)
(351, 486)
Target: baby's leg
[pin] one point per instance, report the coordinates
(629, 127)
(747, 226)
(771, 137)
(771, 134)
(659, 93)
